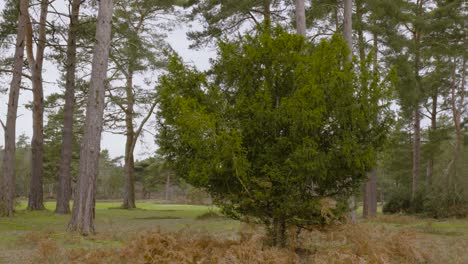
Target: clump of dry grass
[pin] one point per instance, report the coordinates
(48, 251)
(159, 247)
(35, 237)
(379, 244)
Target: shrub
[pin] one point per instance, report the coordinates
(399, 202)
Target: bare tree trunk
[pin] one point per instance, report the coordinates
(348, 36)
(370, 195)
(457, 108)
(416, 152)
(416, 111)
(348, 27)
(36, 192)
(370, 188)
(129, 188)
(168, 186)
(430, 162)
(64, 186)
(267, 15)
(84, 204)
(7, 184)
(300, 17)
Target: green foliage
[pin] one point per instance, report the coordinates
(278, 125)
(152, 173)
(399, 202)
(110, 179)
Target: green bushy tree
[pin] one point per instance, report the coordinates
(276, 127)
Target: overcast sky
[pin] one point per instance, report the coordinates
(114, 143)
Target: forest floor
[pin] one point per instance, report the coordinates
(163, 233)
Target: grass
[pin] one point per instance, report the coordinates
(188, 231)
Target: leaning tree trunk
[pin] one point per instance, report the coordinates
(7, 186)
(36, 193)
(64, 186)
(348, 36)
(84, 204)
(300, 18)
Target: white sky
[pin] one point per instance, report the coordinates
(114, 143)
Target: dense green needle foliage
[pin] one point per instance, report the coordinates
(274, 127)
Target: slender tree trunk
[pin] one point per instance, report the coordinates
(457, 108)
(348, 27)
(370, 188)
(370, 195)
(348, 36)
(300, 18)
(36, 192)
(129, 188)
(7, 184)
(416, 120)
(416, 152)
(168, 187)
(84, 204)
(430, 162)
(267, 15)
(64, 186)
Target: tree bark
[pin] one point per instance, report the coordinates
(7, 184)
(168, 187)
(370, 195)
(430, 162)
(348, 36)
(64, 186)
(129, 188)
(84, 204)
(300, 17)
(457, 108)
(36, 192)
(370, 189)
(267, 15)
(348, 27)
(416, 152)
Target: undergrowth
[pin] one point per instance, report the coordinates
(340, 244)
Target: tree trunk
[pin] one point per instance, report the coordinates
(457, 108)
(36, 192)
(416, 113)
(300, 18)
(370, 195)
(430, 162)
(168, 187)
(7, 184)
(370, 189)
(267, 15)
(277, 233)
(84, 205)
(129, 188)
(348, 27)
(64, 186)
(416, 152)
(348, 36)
